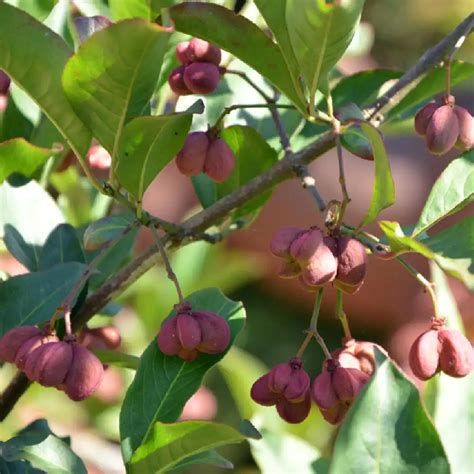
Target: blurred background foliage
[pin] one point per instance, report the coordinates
(389, 310)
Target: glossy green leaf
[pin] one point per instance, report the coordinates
(147, 145)
(121, 10)
(106, 229)
(28, 255)
(205, 189)
(433, 83)
(19, 156)
(383, 194)
(452, 191)
(40, 294)
(320, 32)
(362, 87)
(274, 13)
(61, 246)
(35, 61)
(16, 210)
(210, 458)
(168, 444)
(401, 243)
(163, 384)
(253, 156)
(354, 141)
(283, 452)
(117, 359)
(44, 450)
(112, 77)
(235, 34)
(453, 415)
(388, 430)
(453, 249)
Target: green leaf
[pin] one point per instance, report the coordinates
(274, 14)
(168, 444)
(452, 191)
(112, 77)
(118, 359)
(253, 156)
(163, 384)
(387, 429)
(121, 10)
(401, 243)
(147, 145)
(283, 452)
(16, 206)
(433, 83)
(210, 457)
(240, 37)
(320, 32)
(362, 87)
(26, 254)
(354, 141)
(453, 415)
(453, 249)
(61, 246)
(205, 188)
(106, 229)
(37, 444)
(33, 298)
(35, 61)
(19, 156)
(383, 194)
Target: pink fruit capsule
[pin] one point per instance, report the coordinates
(442, 131)
(423, 117)
(176, 81)
(220, 161)
(190, 160)
(203, 52)
(201, 78)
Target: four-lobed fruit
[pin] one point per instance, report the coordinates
(286, 386)
(202, 153)
(318, 259)
(335, 389)
(357, 355)
(199, 72)
(441, 350)
(445, 126)
(190, 332)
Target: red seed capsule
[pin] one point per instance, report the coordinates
(13, 339)
(201, 78)
(176, 81)
(190, 160)
(456, 357)
(282, 240)
(351, 264)
(465, 139)
(442, 131)
(424, 355)
(220, 161)
(203, 52)
(423, 117)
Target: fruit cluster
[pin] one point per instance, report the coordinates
(190, 332)
(445, 125)
(204, 152)
(288, 386)
(318, 259)
(199, 72)
(45, 359)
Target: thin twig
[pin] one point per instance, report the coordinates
(169, 270)
(342, 179)
(313, 325)
(15, 389)
(427, 285)
(250, 83)
(341, 315)
(449, 44)
(309, 183)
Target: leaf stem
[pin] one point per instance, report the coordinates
(250, 82)
(169, 270)
(428, 285)
(341, 315)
